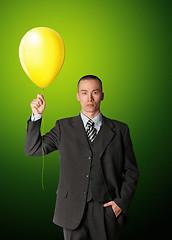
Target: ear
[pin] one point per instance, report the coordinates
(77, 96)
(102, 96)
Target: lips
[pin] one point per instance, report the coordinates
(90, 105)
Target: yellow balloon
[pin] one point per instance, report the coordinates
(42, 54)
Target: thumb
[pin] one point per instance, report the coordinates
(107, 204)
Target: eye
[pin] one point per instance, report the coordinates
(83, 92)
(95, 92)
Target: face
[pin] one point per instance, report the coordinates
(90, 95)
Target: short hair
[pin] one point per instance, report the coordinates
(90, 77)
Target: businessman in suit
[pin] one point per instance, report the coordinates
(98, 169)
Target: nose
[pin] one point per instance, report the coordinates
(90, 97)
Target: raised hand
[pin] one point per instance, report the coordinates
(38, 104)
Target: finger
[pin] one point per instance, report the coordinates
(40, 101)
(36, 105)
(117, 212)
(107, 204)
(35, 108)
(35, 100)
(40, 96)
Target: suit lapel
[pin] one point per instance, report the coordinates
(79, 130)
(106, 134)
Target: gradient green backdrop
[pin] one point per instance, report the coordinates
(128, 45)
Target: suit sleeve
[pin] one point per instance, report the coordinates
(130, 174)
(33, 139)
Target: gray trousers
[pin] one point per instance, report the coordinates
(98, 223)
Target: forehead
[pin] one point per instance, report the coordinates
(89, 84)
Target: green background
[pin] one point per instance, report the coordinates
(128, 45)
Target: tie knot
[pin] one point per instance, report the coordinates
(90, 123)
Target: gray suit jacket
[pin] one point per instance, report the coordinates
(117, 158)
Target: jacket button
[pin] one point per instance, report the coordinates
(89, 158)
(87, 175)
(85, 193)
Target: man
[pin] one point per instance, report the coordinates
(98, 170)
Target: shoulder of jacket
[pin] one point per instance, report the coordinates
(65, 120)
(118, 124)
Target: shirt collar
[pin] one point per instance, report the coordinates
(97, 120)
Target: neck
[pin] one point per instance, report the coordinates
(91, 115)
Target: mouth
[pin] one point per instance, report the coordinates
(90, 105)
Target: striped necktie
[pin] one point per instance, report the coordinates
(91, 131)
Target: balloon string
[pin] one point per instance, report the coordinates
(42, 133)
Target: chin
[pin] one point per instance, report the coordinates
(90, 110)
